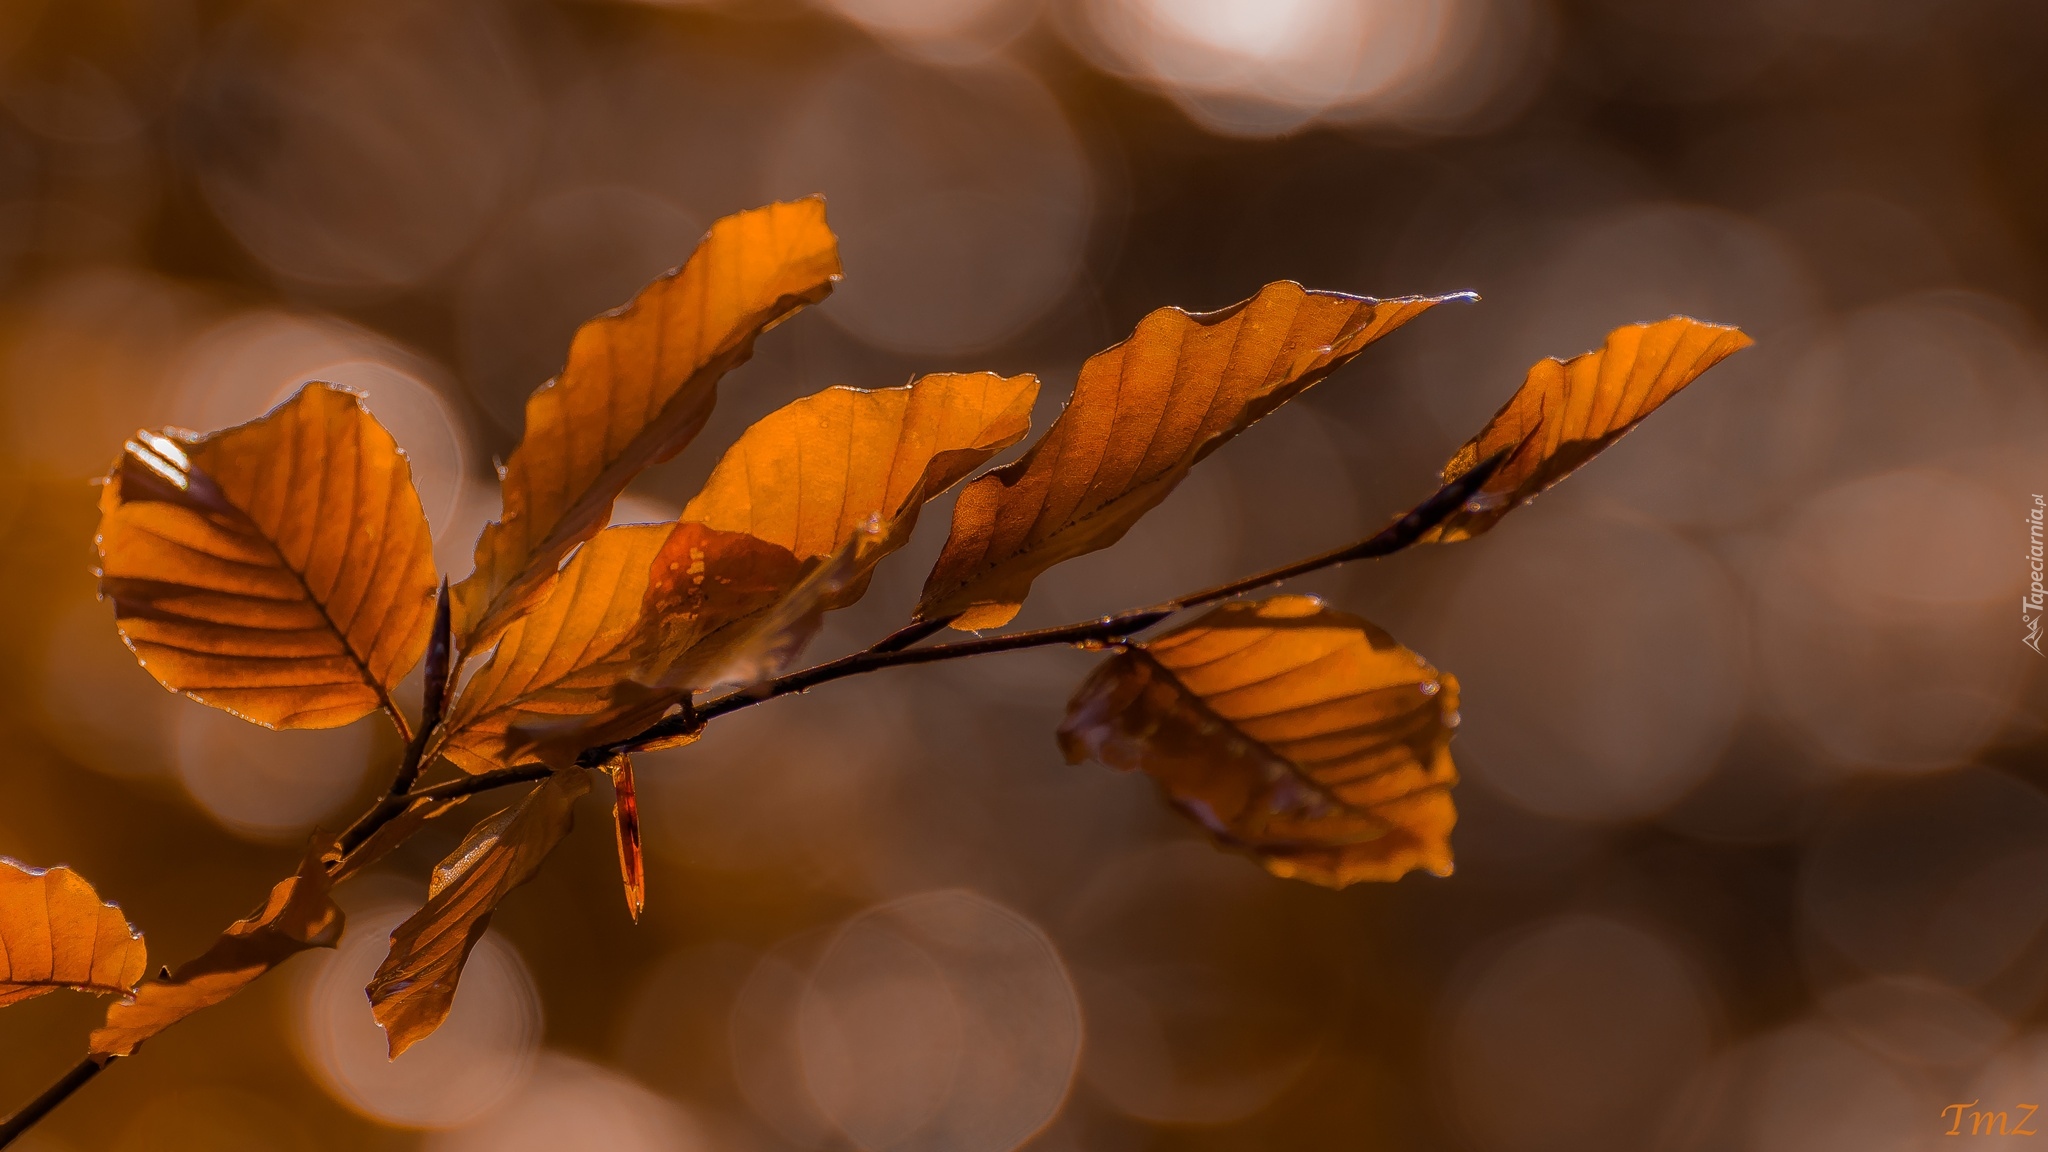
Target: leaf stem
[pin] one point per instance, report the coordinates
(52, 1096)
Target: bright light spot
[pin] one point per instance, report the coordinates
(571, 1105)
(264, 784)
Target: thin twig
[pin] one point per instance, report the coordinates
(893, 651)
(433, 696)
(52, 1096)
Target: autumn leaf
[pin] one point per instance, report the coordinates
(299, 914)
(548, 679)
(811, 473)
(626, 829)
(389, 835)
(56, 933)
(1143, 413)
(1569, 411)
(413, 989)
(638, 386)
(281, 570)
(1303, 735)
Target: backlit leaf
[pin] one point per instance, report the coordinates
(299, 914)
(415, 986)
(281, 570)
(639, 384)
(56, 933)
(806, 476)
(1569, 411)
(549, 676)
(626, 829)
(1303, 735)
(388, 836)
(1143, 413)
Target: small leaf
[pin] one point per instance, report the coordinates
(1569, 411)
(281, 570)
(56, 933)
(639, 384)
(299, 914)
(1143, 413)
(626, 827)
(1303, 735)
(809, 474)
(551, 672)
(415, 986)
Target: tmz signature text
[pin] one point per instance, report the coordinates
(1990, 1123)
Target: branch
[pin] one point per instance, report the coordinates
(52, 1096)
(892, 651)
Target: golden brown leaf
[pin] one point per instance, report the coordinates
(548, 680)
(1569, 411)
(1301, 734)
(1143, 413)
(415, 986)
(807, 475)
(626, 828)
(281, 570)
(56, 933)
(639, 384)
(299, 914)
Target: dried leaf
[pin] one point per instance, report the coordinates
(548, 680)
(299, 914)
(1303, 735)
(281, 570)
(1569, 411)
(639, 384)
(626, 827)
(809, 474)
(415, 986)
(1143, 413)
(56, 933)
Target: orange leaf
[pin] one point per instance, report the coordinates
(299, 914)
(56, 933)
(389, 835)
(806, 476)
(1143, 413)
(626, 827)
(547, 681)
(415, 986)
(639, 384)
(1569, 411)
(1304, 735)
(281, 570)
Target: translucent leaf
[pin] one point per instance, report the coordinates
(1569, 411)
(281, 570)
(56, 933)
(299, 914)
(1303, 735)
(639, 384)
(1143, 413)
(626, 829)
(414, 988)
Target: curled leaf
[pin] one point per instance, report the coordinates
(281, 570)
(389, 835)
(1303, 735)
(414, 988)
(1143, 413)
(1568, 411)
(549, 678)
(55, 932)
(626, 828)
(808, 475)
(299, 914)
(638, 386)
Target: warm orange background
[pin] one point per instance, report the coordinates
(1752, 856)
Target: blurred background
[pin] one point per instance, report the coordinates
(1754, 844)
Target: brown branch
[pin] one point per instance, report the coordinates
(52, 1096)
(896, 650)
